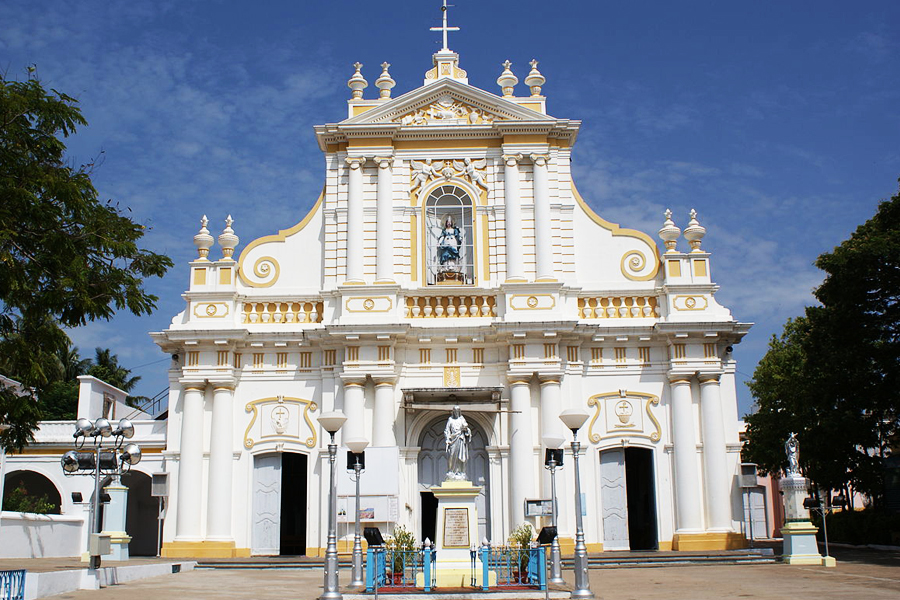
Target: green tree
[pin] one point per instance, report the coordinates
(66, 257)
(833, 375)
(106, 368)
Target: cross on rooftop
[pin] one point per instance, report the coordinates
(444, 27)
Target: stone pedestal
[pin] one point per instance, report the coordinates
(800, 547)
(457, 531)
(114, 515)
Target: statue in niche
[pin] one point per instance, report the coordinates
(449, 243)
(792, 449)
(457, 436)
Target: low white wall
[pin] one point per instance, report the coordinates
(26, 535)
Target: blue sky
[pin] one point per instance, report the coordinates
(777, 121)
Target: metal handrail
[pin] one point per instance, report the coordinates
(12, 585)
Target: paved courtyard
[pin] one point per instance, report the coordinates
(860, 574)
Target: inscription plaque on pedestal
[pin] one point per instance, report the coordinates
(456, 528)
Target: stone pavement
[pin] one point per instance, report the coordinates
(860, 574)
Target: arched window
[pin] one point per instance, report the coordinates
(29, 491)
(449, 238)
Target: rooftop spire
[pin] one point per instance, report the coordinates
(443, 28)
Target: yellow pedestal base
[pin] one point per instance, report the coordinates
(708, 541)
(203, 550)
(454, 578)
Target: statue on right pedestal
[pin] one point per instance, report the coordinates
(792, 449)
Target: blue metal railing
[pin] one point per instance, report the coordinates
(513, 567)
(508, 567)
(12, 585)
(400, 568)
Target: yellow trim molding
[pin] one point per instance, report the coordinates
(203, 550)
(619, 231)
(708, 541)
(281, 236)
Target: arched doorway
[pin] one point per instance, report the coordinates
(23, 491)
(433, 466)
(141, 515)
(279, 504)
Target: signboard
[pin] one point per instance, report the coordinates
(456, 528)
(539, 508)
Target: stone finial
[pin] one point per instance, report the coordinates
(228, 240)
(357, 83)
(694, 232)
(385, 82)
(507, 81)
(535, 80)
(203, 240)
(669, 232)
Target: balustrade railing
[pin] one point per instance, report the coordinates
(512, 567)
(400, 568)
(436, 307)
(282, 312)
(618, 307)
(12, 585)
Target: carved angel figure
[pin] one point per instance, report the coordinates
(424, 171)
(471, 169)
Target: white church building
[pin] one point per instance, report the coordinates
(449, 260)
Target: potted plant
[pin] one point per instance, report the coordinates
(399, 544)
(520, 542)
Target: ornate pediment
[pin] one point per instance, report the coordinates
(446, 102)
(447, 111)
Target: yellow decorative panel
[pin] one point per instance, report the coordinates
(674, 267)
(281, 360)
(222, 358)
(451, 355)
(306, 360)
(518, 351)
(644, 354)
(425, 356)
(624, 414)
(258, 360)
(210, 310)
(384, 353)
(352, 353)
(549, 350)
(478, 356)
(596, 355)
(368, 304)
(330, 357)
(280, 419)
(200, 276)
(532, 301)
(193, 358)
(679, 351)
(451, 377)
(572, 353)
(699, 267)
(224, 275)
(690, 302)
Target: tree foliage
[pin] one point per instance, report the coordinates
(66, 257)
(833, 375)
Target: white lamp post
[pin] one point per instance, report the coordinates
(574, 419)
(553, 443)
(331, 422)
(357, 448)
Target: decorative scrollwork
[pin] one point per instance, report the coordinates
(636, 267)
(267, 270)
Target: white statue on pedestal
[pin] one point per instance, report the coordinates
(456, 439)
(792, 449)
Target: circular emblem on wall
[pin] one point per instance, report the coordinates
(369, 304)
(690, 302)
(210, 309)
(624, 410)
(532, 302)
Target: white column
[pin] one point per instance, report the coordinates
(355, 220)
(687, 484)
(221, 451)
(354, 408)
(521, 451)
(551, 407)
(543, 226)
(384, 223)
(383, 421)
(190, 467)
(515, 270)
(715, 458)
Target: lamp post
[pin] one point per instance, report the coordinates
(553, 461)
(356, 459)
(331, 422)
(98, 462)
(574, 419)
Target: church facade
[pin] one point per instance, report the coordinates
(450, 260)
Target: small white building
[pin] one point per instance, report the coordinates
(451, 260)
